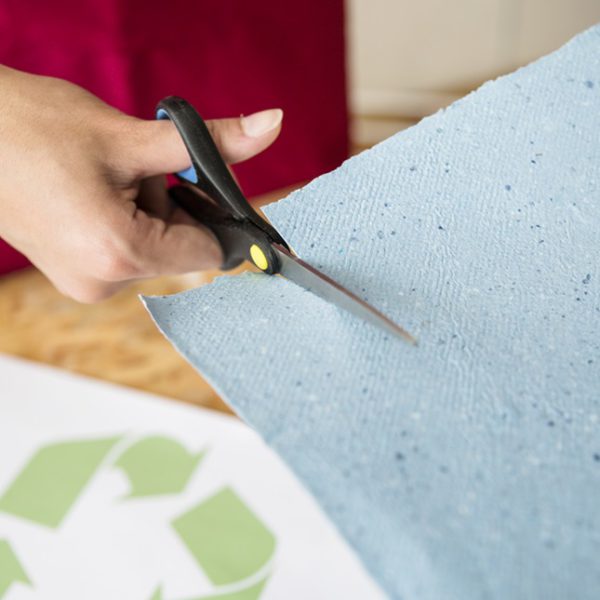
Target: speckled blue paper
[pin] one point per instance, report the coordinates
(469, 466)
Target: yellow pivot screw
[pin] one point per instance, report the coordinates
(259, 258)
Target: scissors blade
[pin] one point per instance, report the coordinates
(309, 278)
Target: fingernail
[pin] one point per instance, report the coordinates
(262, 122)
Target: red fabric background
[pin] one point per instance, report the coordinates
(227, 57)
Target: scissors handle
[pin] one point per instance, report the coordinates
(241, 231)
(239, 239)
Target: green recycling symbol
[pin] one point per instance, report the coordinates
(228, 542)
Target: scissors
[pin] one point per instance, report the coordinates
(212, 197)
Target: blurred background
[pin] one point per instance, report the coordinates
(408, 59)
(347, 75)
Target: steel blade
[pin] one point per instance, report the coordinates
(309, 278)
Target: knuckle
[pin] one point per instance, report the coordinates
(114, 262)
(120, 137)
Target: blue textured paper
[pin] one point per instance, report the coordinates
(469, 466)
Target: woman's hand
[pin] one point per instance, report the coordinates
(82, 186)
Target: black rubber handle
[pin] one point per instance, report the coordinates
(210, 173)
(239, 238)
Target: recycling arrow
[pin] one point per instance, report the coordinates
(157, 465)
(50, 483)
(11, 570)
(231, 545)
(229, 542)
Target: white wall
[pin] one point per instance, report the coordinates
(407, 59)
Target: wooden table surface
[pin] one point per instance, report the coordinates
(114, 340)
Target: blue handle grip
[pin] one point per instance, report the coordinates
(188, 174)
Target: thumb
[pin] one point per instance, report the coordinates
(161, 150)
